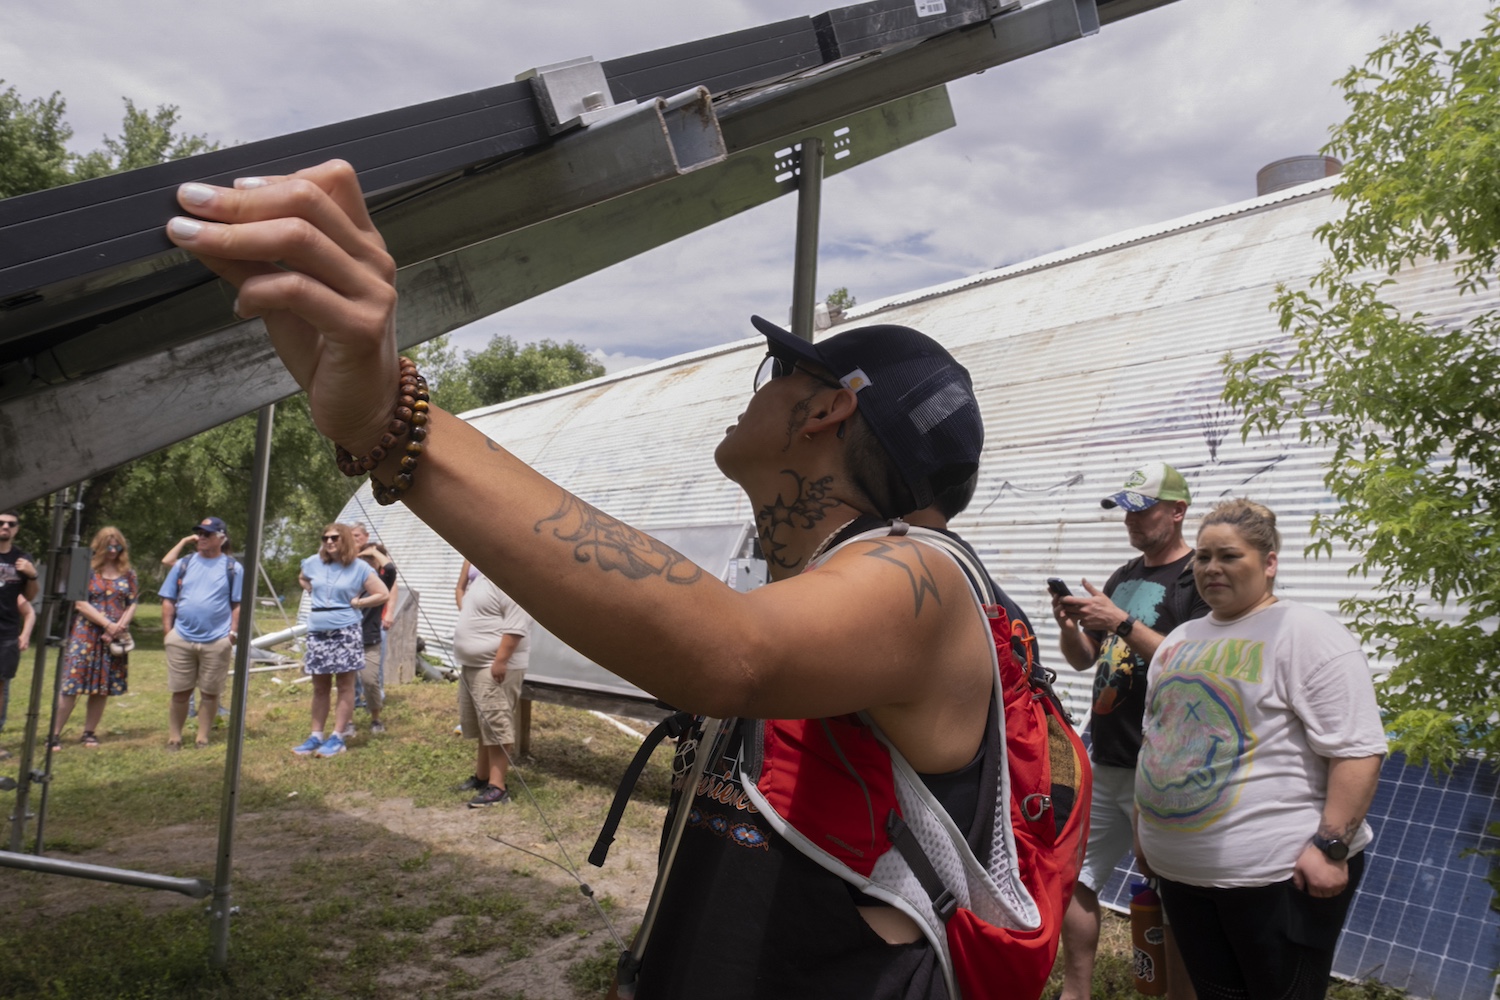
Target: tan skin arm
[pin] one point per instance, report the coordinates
(28, 622)
(168, 614)
(822, 643)
(501, 663)
(175, 552)
(1100, 614)
(374, 594)
(1351, 789)
(463, 585)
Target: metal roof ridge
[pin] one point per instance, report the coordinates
(593, 383)
(1114, 241)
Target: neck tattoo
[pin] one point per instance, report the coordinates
(776, 522)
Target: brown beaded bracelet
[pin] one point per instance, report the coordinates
(408, 421)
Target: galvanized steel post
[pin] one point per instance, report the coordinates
(220, 909)
(56, 584)
(805, 267)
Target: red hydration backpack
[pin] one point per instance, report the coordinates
(843, 796)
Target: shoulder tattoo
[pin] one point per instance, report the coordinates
(921, 578)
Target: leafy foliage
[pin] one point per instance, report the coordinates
(840, 300)
(1407, 401)
(502, 371)
(33, 143)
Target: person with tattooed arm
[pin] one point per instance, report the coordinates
(863, 427)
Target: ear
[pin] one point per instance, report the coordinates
(1271, 562)
(830, 411)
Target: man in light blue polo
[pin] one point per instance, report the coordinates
(200, 611)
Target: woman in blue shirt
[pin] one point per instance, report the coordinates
(340, 586)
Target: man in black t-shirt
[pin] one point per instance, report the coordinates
(1115, 632)
(17, 583)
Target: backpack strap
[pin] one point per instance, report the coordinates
(674, 726)
(182, 571)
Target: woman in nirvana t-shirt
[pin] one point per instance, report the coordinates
(1261, 752)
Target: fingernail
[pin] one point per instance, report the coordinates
(195, 194)
(184, 229)
(244, 183)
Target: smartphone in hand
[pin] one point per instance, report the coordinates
(1058, 587)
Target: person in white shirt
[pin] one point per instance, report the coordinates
(1261, 752)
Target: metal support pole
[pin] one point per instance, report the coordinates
(805, 267)
(40, 845)
(195, 887)
(221, 910)
(57, 583)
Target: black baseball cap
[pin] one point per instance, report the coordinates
(917, 399)
(210, 526)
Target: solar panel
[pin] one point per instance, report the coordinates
(1422, 919)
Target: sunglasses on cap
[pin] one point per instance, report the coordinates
(773, 367)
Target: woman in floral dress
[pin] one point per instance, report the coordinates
(89, 668)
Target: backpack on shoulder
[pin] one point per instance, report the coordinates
(842, 795)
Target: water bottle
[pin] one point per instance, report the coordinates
(1149, 938)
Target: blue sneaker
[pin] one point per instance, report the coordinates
(307, 746)
(332, 746)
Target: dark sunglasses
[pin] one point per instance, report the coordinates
(10, 524)
(330, 538)
(114, 548)
(774, 367)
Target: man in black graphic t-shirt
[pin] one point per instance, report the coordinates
(17, 581)
(1115, 632)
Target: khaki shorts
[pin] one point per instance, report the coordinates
(373, 676)
(201, 665)
(486, 709)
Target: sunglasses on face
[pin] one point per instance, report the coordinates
(330, 538)
(773, 367)
(114, 548)
(10, 524)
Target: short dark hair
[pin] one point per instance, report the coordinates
(872, 471)
(955, 499)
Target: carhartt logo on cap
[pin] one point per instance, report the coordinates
(856, 380)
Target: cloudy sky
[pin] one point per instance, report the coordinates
(1166, 113)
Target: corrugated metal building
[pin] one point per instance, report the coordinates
(1088, 362)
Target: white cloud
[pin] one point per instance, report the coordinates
(1162, 114)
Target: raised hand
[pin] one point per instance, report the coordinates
(307, 259)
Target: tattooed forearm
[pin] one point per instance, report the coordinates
(922, 582)
(777, 522)
(613, 545)
(1347, 833)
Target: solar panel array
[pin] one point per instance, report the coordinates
(1423, 919)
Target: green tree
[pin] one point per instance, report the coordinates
(502, 371)
(145, 139)
(447, 374)
(33, 143)
(839, 300)
(1407, 401)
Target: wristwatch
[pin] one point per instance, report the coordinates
(1334, 848)
(1123, 629)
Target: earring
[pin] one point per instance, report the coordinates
(840, 434)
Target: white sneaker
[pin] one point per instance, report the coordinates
(349, 733)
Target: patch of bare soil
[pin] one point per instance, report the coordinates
(423, 855)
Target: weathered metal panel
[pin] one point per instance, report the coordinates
(1087, 363)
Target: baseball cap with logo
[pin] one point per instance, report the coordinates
(210, 526)
(917, 399)
(1147, 485)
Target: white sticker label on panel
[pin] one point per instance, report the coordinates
(927, 8)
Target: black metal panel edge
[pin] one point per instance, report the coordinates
(866, 27)
(720, 64)
(1111, 11)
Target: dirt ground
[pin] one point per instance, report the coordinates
(426, 854)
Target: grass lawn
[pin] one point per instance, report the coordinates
(359, 876)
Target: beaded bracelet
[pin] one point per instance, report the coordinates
(408, 421)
